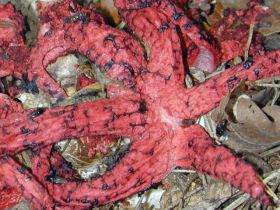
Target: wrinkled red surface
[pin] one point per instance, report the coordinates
(12, 47)
(9, 197)
(147, 102)
(226, 32)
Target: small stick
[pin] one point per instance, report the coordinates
(249, 41)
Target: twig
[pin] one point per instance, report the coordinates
(270, 152)
(220, 70)
(237, 202)
(249, 41)
(121, 25)
(271, 175)
(183, 171)
(266, 80)
(78, 159)
(267, 85)
(194, 192)
(138, 205)
(276, 96)
(65, 146)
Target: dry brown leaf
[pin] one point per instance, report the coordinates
(271, 23)
(257, 162)
(217, 14)
(221, 5)
(22, 205)
(109, 10)
(179, 187)
(234, 4)
(74, 151)
(216, 189)
(272, 42)
(255, 129)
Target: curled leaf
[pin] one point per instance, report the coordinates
(255, 128)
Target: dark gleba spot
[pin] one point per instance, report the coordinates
(145, 3)
(230, 85)
(5, 56)
(233, 78)
(177, 16)
(48, 33)
(151, 152)
(190, 143)
(109, 64)
(37, 112)
(105, 187)
(85, 200)
(188, 25)
(24, 130)
(131, 170)
(29, 86)
(95, 202)
(22, 170)
(129, 67)
(164, 27)
(110, 37)
(5, 157)
(142, 107)
(257, 72)
(221, 128)
(248, 63)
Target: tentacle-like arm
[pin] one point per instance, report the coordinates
(197, 151)
(14, 175)
(117, 52)
(208, 56)
(107, 116)
(12, 47)
(8, 106)
(164, 52)
(205, 97)
(146, 162)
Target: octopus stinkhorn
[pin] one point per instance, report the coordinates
(147, 102)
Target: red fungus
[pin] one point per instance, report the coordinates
(151, 108)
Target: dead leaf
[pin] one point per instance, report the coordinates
(255, 128)
(272, 42)
(31, 101)
(248, 127)
(75, 152)
(221, 5)
(271, 23)
(88, 93)
(257, 162)
(65, 71)
(216, 189)
(22, 205)
(217, 14)
(179, 187)
(109, 10)
(234, 4)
